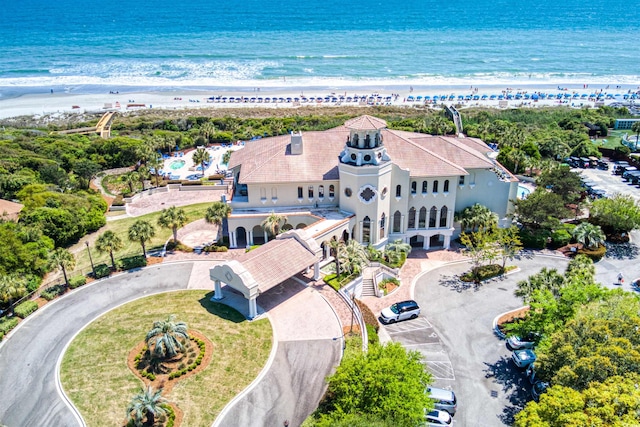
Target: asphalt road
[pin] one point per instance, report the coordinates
(29, 359)
(455, 334)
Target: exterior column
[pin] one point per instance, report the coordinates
(266, 236)
(232, 239)
(218, 288)
(359, 231)
(253, 308)
(316, 270)
(438, 213)
(250, 237)
(402, 230)
(447, 241)
(450, 218)
(426, 243)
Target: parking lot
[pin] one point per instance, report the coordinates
(608, 182)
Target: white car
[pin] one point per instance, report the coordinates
(523, 358)
(400, 311)
(437, 418)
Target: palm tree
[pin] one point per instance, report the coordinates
(353, 257)
(636, 128)
(167, 337)
(156, 163)
(172, 218)
(591, 236)
(395, 250)
(63, 259)
(12, 287)
(477, 217)
(337, 246)
(201, 156)
(216, 214)
(141, 231)
(142, 174)
(148, 403)
(207, 130)
(109, 242)
(129, 178)
(271, 224)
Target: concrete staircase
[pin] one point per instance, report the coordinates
(368, 285)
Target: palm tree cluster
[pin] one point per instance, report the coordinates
(216, 214)
(272, 223)
(477, 218)
(167, 338)
(172, 218)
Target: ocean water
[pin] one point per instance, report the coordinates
(81, 46)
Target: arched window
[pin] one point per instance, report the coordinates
(366, 230)
(398, 190)
(443, 216)
(446, 186)
(414, 186)
(432, 217)
(263, 193)
(332, 191)
(412, 218)
(397, 220)
(435, 186)
(321, 191)
(425, 184)
(311, 191)
(422, 219)
(299, 192)
(383, 220)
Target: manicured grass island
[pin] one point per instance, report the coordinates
(97, 379)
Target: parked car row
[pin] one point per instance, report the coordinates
(524, 358)
(586, 162)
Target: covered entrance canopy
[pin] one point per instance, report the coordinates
(259, 270)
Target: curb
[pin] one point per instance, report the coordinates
(497, 330)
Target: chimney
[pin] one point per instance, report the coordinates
(296, 143)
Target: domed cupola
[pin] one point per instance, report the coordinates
(364, 145)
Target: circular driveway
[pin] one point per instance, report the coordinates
(301, 359)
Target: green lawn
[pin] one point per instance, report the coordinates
(121, 227)
(96, 378)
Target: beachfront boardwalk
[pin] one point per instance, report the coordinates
(103, 128)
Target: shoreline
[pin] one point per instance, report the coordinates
(53, 101)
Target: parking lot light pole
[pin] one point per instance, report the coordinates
(93, 269)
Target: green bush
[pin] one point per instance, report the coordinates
(483, 272)
(215, 248)
(595, 254)
(191, 182)
(102, 270)
(130, 262)
(372, 335)
(534, 239)
(215, 177)
(7, 324)
(560, 238)
(53, 291)
(26, 308)
(77, 281)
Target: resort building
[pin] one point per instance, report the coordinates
(365, 182)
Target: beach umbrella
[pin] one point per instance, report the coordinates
(427, 98)
(518, 96)
(419, 98)
(567, 95)
(493, 97)
(476, 97)
(452, 97)
(535, 96)
(527, 96)
(460, 97)
(509, 96)
(435, 97)
(500, 96)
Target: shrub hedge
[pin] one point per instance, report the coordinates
(130, 262)
(53, 292)
(118, 201)
(6, 325)
(534, 239)
(77, 281)
(372, 335)
(102, 270)
(595, 254)
(215, 248)
(26, 308)
(483, 273)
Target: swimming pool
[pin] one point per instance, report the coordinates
(523, 191)
(177, 164)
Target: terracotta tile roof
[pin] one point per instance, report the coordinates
(276, 261)
(365, 123)
(269, 160)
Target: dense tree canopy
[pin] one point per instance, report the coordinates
(541, 209)
(387, 383)
(617, 214)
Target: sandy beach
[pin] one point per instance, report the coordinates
(512, 96)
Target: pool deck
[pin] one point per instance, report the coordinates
(191, 171)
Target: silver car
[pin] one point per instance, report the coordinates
(437, 418)
(445, 400)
